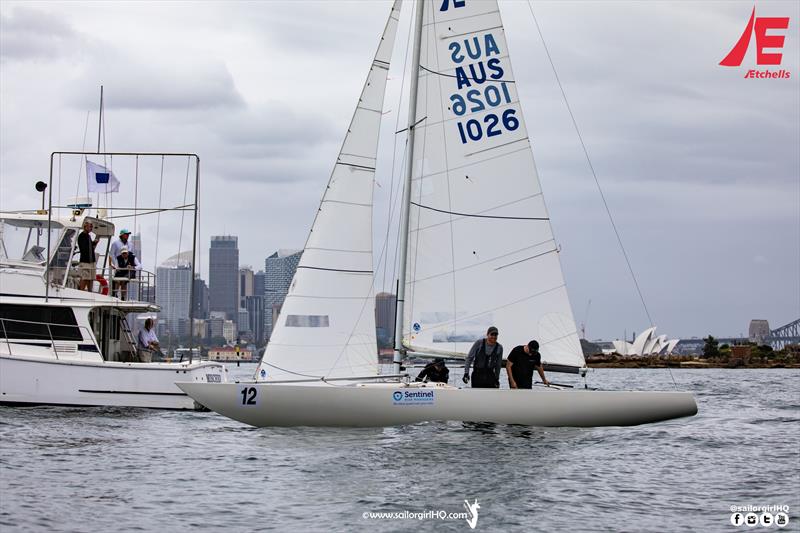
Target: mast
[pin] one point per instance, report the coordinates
(412, 118)
(100, 120)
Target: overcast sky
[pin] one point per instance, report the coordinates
(700, 166)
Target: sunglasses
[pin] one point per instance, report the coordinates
(493, 334)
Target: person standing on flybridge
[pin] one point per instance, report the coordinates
(487, 355)
(88, 259)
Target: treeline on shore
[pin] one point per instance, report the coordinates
(750, 355)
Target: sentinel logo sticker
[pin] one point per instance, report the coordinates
(415, 397)
(416, 327)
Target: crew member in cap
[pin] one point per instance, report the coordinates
(520, 364)
(486, 359)
(113, 254)
(127, 265)
(436, 371)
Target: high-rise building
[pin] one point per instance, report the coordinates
(200, 298)
(136, 243)
(223, 275)
(246, 284)
(259, 283)
(255, 312)
(279, 269)
(385, 310)
(243, 321)
(173, 293)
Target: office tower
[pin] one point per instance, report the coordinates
(255, 311)
(136, 243)
(200, 298)
(246, 284)
(259, 283)
(279, 269)
(385, 307)
(173, 293)
(223, 276)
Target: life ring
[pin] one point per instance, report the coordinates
(103, 284)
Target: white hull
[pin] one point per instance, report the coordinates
(377, 405)
(31, 380)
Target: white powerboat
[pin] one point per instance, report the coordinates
(64, 346)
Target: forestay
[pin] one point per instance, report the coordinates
(481, 249)
(326, 326)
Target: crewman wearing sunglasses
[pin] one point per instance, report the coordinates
(485, 357)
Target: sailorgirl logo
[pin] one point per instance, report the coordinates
(759, 26)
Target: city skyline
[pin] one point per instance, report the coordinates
(698, 164)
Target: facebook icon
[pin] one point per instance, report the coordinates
(737, 519)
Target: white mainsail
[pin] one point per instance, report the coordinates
(481, 249)
(326, 326)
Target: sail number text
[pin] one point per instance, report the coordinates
(249, 396)
(485, 86)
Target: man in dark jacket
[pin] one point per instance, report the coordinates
(435, 371)
(520, 364)
(487, 356)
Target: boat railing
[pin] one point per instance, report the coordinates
(31, 330)
(141, 286)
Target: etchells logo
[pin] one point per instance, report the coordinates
(772, 40)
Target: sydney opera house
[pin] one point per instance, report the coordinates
(647, 343)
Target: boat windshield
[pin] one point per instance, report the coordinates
(26, 243)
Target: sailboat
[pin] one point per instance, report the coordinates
(476, 249)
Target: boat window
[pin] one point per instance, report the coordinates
(38, 322)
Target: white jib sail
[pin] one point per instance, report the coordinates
(481, 249)
(326, 326)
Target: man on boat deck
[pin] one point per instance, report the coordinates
(487, 355)
(436, 372)
(116, 251)
(147, 342)
(88, 259)
(126, 267)
(520, 364)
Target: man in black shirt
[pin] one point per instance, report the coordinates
(520, 364)
(88, 259)
(435, 371)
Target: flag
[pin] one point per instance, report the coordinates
(100, 179)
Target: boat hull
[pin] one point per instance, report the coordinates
(379, 405)
(34, 381)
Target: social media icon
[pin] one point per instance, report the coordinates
(781, 519)
(737, 519)
(751, 519)
(766, 519)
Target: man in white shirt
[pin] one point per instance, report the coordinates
(147, 342)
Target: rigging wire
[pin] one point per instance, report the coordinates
(83, 159)
(594, 174)
(183, 213)
(158, 221)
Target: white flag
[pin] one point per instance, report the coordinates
(100, 179)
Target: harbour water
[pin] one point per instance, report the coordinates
(111, 469)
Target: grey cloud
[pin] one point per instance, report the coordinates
(155, 84)
(31, 35)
